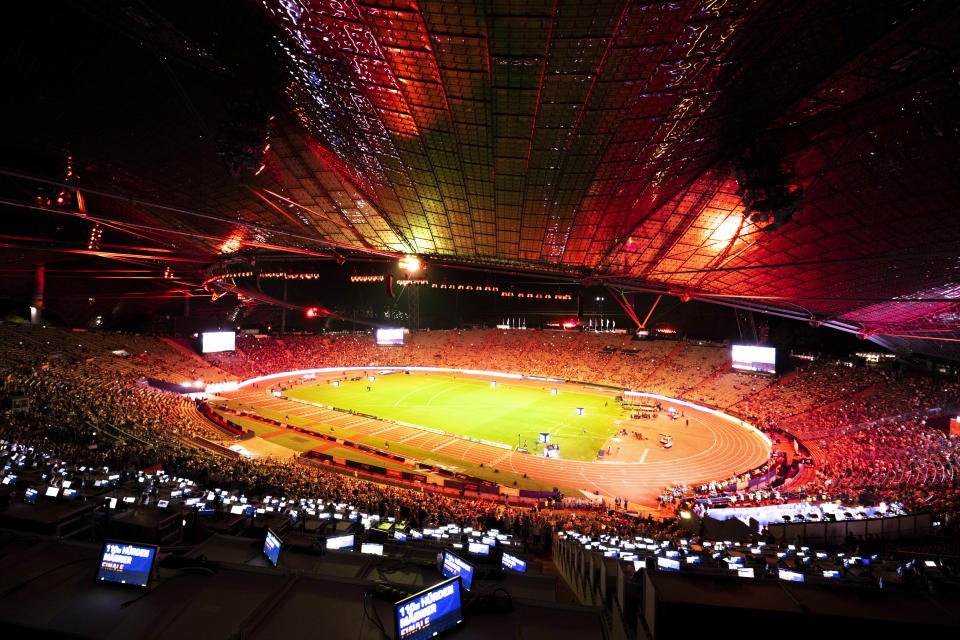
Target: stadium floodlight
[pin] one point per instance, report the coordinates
(410, 264)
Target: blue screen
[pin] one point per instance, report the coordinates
(514, 564)
(454, 566)
(126, 563)
(271, 547)
(400, 536)
(30, 495)
(429, 612)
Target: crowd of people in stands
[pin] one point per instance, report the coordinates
(83, 393)
(904, 462)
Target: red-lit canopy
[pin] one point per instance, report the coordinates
(595, 140)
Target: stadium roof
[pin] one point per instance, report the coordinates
(610, 141)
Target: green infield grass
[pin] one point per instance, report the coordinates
(506, 413)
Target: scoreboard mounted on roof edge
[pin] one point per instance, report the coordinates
(753, 358)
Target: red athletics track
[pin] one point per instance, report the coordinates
(710, 448)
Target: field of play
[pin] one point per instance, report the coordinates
(509, 414)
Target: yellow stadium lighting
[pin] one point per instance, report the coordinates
(410, 264)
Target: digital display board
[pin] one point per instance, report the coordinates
(513, 563)
(454, 566)
(340, 542)
(214, 341)
(390, 337)
(425, 614)
(271, 547)
(126, 563)
(752, 358)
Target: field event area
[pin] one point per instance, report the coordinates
(508, 414)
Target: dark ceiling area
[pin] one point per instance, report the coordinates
(797, 158)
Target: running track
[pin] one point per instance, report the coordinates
(734, 450)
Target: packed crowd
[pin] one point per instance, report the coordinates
(902, 462)
(77, 390)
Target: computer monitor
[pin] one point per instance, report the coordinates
(371, 548)
(478, 548)
(667, 564)
(128, 564)
(428, 613)
(271, 547)
(52, 492)
(453, 566)
(790, 576)
(513, 563)
(30, 495)
(340, 542)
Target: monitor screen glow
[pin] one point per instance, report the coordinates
(790, 576)
(425, 614)
(129, 564)
(454, 566)
(513, 563)
(371, 548)
(340, 542)
(271, 547)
